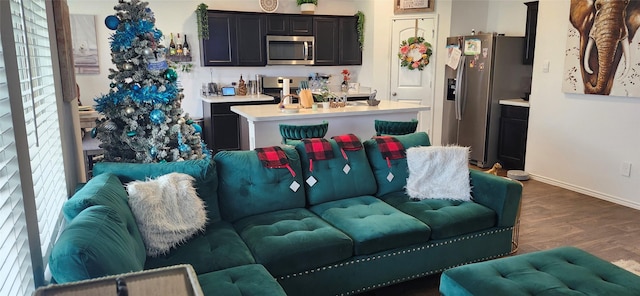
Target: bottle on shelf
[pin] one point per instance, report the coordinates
(178, 45)
(172, 46)
(185, 46)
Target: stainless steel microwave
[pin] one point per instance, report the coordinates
(290, 50)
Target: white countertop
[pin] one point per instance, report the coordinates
(231, 99)
(273, 113)
(515, 102)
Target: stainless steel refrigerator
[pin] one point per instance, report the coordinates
(489, 69)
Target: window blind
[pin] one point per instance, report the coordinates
(35, 68)
(16, 275)
(32, 178)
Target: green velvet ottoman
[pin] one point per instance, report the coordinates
(245, 280)
(561, 271)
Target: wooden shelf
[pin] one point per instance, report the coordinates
(179, 58)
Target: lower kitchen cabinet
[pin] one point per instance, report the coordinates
(222, 126)
(513, 136)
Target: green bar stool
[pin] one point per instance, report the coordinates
(384, 127)
(299, 132)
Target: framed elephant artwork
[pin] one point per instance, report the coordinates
(602, 56)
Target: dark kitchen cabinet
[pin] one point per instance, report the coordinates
(222, 126)
(326, 40)
(513, 136)
(530, 32)
(289, 25)
(235, 39)
(336, 41)
(349, 52)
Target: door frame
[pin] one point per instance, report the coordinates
(393, 50)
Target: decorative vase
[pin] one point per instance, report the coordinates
(345, 86)
(307, 8)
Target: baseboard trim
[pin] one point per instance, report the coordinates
(586, 191)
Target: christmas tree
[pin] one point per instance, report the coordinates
(143, 119)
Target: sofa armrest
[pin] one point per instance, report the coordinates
(499, 194)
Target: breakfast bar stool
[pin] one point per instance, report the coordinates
(384, 127)
(299, 132)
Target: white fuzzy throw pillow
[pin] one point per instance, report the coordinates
(167, 210)
(438, 172)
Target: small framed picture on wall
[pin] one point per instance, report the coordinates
(412, 6)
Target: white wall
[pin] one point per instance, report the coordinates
(507, 17)
(178, 16)
(579, 141)
(574, 141)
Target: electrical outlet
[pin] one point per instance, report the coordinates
(625, 169)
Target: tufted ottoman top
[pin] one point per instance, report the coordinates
(560, 271)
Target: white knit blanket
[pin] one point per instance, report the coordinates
(167, 210)
(438, 172)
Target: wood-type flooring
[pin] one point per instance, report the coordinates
(552, 217)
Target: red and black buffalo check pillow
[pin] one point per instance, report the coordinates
(390, 148)
(349, 142)
(318, 148)
(274, 158)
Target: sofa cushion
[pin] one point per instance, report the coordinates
(293, 240)
(98, 242)
(373, 224)
(445, 217)
(248, 188)
(104, 189)
(332, 181)
(244, 280)
(219, 247)
(399, 167)
(203, 170)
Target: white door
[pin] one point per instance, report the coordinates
(413, 85)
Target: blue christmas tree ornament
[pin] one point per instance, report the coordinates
(131, 133)
(112, 22)
(157, 116)
(197, 127)
(94, 132)
(171, 75)
(154, 152)
(136, 87)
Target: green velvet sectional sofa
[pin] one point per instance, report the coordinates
(353, 231)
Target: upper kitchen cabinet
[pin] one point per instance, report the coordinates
(289, 25)
(336, 41)
(326, 43)
(530, 32)
(235, 39)
(350, 53)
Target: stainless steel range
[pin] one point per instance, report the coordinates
(272, 86)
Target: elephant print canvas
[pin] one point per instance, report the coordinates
(602, 56)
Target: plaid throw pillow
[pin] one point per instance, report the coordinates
(390, 147)
(349, 142)
(274, 158)
(318, 148)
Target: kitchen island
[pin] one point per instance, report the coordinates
(260, 123)
(221, 126)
